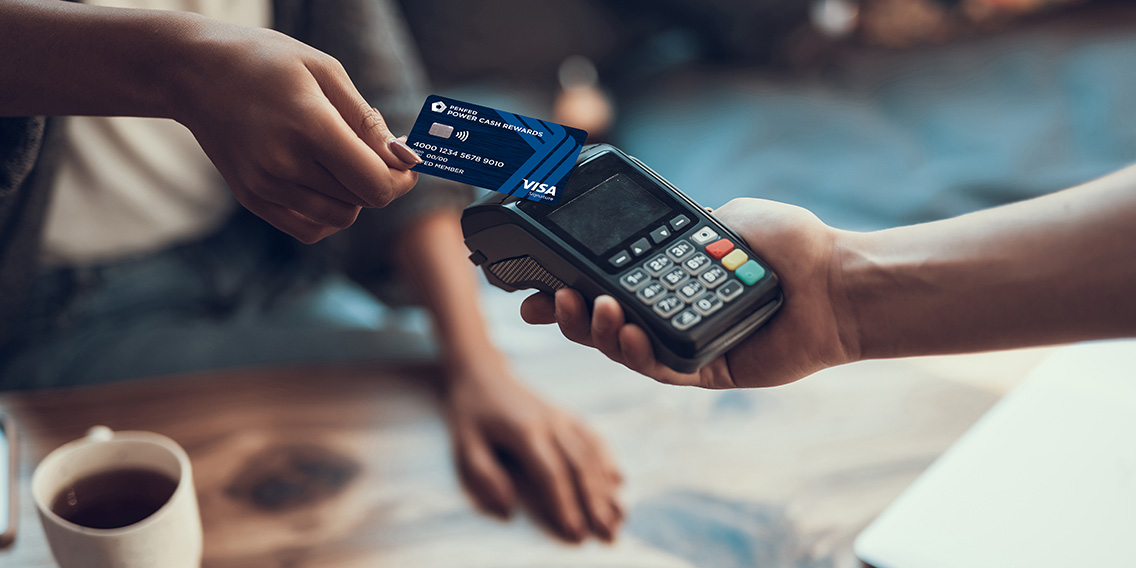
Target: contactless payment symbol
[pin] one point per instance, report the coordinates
(485, 147)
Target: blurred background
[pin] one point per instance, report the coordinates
(871, 113)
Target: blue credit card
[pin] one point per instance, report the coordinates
(498, 150)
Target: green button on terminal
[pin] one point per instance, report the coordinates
(750, 272)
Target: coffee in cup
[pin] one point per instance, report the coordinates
(122, 499)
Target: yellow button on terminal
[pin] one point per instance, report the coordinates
(735, 259)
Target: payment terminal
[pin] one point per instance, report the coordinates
(620, 229)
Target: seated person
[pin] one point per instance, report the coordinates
(147, 266)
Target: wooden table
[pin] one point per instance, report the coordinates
(350, 465)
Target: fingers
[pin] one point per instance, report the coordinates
(604, 456)
(366, 121)
(572, 316)
(359, 170)
(319, 179)
(638, 355)
(607, 318)
(486, 480)
(404, 152)
(298, 226)
(359, 145)
(635, 349)
(314, 205)
(554, 482)
(595, 485)
(539, 309)
(607, 330)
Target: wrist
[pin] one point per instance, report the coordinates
(185, 56)
(210, 54)
(893, 290)
(850, 276)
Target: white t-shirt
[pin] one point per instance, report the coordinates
(128, 186)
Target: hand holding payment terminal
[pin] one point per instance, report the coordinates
(619, 228)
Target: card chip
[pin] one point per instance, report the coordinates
(441, 130)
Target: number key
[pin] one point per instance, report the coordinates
(668, 306)
(658, 264)
(691, 289)
(675, 277)
(634, 279)
(649, 293)
(680, 250)
(696, 263)
(708, 304)
(713, 277)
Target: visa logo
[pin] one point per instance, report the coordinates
(542, 188)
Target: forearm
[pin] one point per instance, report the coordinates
(432, 255)
(64, 58)
(1054, 269)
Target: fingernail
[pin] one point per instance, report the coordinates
(403, 152)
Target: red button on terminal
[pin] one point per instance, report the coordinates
(720, 248)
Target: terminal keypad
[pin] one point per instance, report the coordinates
(694, 277)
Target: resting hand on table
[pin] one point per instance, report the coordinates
(801, 339)
(497, 424)
(507, 440)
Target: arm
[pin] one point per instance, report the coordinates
(282, 122)
(98, 61)
(1053, 269)
(491, 412)
(430, 253)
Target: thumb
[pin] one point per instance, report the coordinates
(484, 477)
(367, 122)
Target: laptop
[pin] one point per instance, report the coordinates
(1046, 479)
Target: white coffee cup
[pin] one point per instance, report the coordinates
(170, 537)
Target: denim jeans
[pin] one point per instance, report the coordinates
(229, 300)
